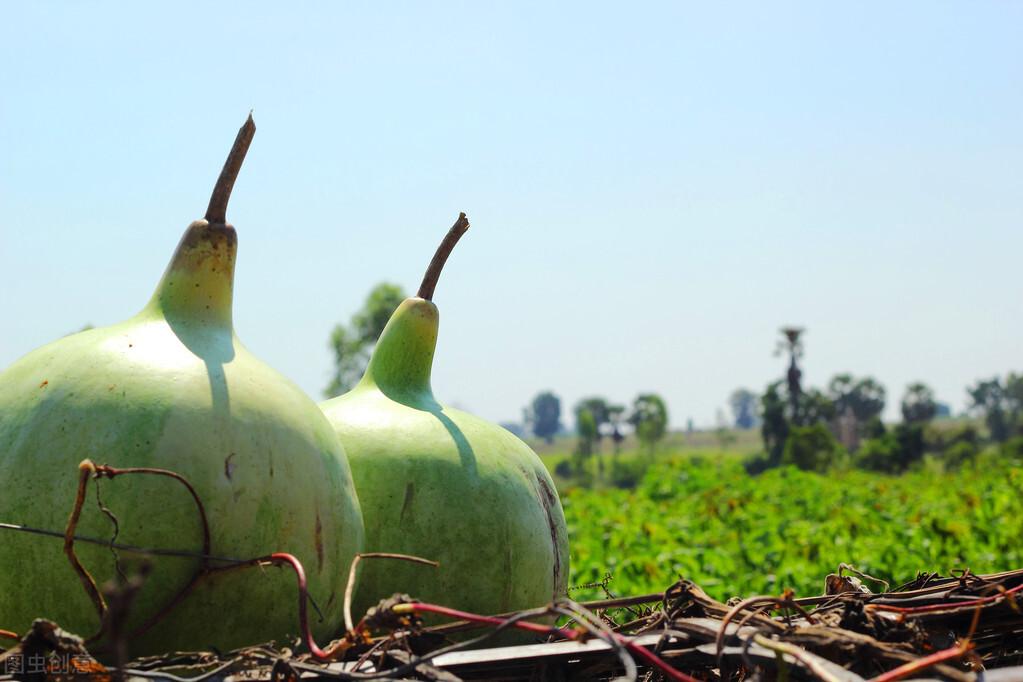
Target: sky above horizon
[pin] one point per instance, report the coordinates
(654, 190)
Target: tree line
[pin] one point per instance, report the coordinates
(815, 429)
(595, 419)
(810, 428)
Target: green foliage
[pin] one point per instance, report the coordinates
(737, 535)
(352, 345)
(811, 448)
(650, 419)
(544, 415)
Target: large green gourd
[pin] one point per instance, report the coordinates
(174, 388)
(441, 484)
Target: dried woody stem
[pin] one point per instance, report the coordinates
(813, 663)
(86, 470)
(217, 211)
(536, 628)
(426, 289)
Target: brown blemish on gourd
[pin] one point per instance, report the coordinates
(410, 491)
(549, 500)
(229, 467)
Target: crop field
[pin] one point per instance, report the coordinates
(705, 519)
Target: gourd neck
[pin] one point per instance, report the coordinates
(402, 360)
(197, 288)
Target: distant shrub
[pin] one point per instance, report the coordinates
(874, 428)
(894, 452)
(959, 454)
(811, 448)
(757, 464)
(1013, 448)
(563, 468)
(628, 474)
(954, 447)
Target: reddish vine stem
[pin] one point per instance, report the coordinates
(423, 607)
(916, 666)
(292, 562)
(7, 634)
(441, 257)
(86, 469)
(217, 211)
(89, 470)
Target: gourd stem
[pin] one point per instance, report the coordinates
(217, 211)
(441, 257)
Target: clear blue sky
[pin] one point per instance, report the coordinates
(654, 189)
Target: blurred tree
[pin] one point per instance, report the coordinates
(1014, 399)
(811, 448)
(616, 414)
(863, 397)
(814, 407)
(793, 377)
(988, 398)
(598, 409)
(544, 415)
(955, 446)
(650, 419)
(895, 451)
(744, 406)
(352, 345)
(918, 405)
(774, 427)
(586, 428)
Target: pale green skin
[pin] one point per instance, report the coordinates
(441, 484)
(173, 388)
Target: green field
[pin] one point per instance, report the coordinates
(704, 518)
